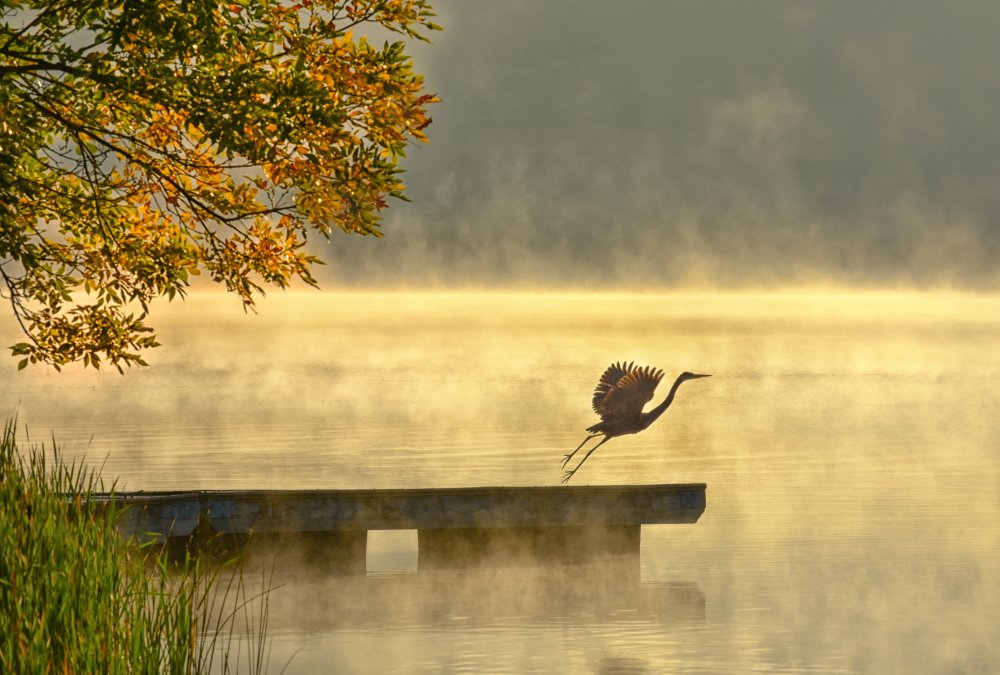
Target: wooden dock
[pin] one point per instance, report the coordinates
(455, 526)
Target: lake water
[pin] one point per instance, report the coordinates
(850, 444)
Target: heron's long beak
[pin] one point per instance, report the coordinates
(693, 376)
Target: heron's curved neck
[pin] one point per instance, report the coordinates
(654, 414)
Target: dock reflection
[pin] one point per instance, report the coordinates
(569, 595)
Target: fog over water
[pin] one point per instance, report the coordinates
(692, 162)
(723, 144)
(848, 442)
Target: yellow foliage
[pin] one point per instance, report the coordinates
(202, 137)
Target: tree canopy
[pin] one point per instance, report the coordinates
(143, 142)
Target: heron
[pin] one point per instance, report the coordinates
(620, 395)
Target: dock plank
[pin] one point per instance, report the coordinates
(275, 511)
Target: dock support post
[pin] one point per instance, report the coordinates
(334, 552)
(460, 547)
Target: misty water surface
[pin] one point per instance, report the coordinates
(849, 445)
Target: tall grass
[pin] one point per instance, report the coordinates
(76, 597)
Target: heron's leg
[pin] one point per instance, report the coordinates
(568, 457)
(569, 474)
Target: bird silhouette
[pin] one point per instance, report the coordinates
(619, 398)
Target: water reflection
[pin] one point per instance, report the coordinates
(848, 442)
(478, 620)
(512, 597)
(620, 665)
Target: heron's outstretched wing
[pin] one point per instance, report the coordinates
(624, 389)
(609, 380)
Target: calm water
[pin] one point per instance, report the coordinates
(849, 444)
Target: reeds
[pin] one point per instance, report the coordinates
(76, 597)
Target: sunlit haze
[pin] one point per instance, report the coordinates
(847, 441)
(800, 199)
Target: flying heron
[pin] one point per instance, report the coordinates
(619, 397)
